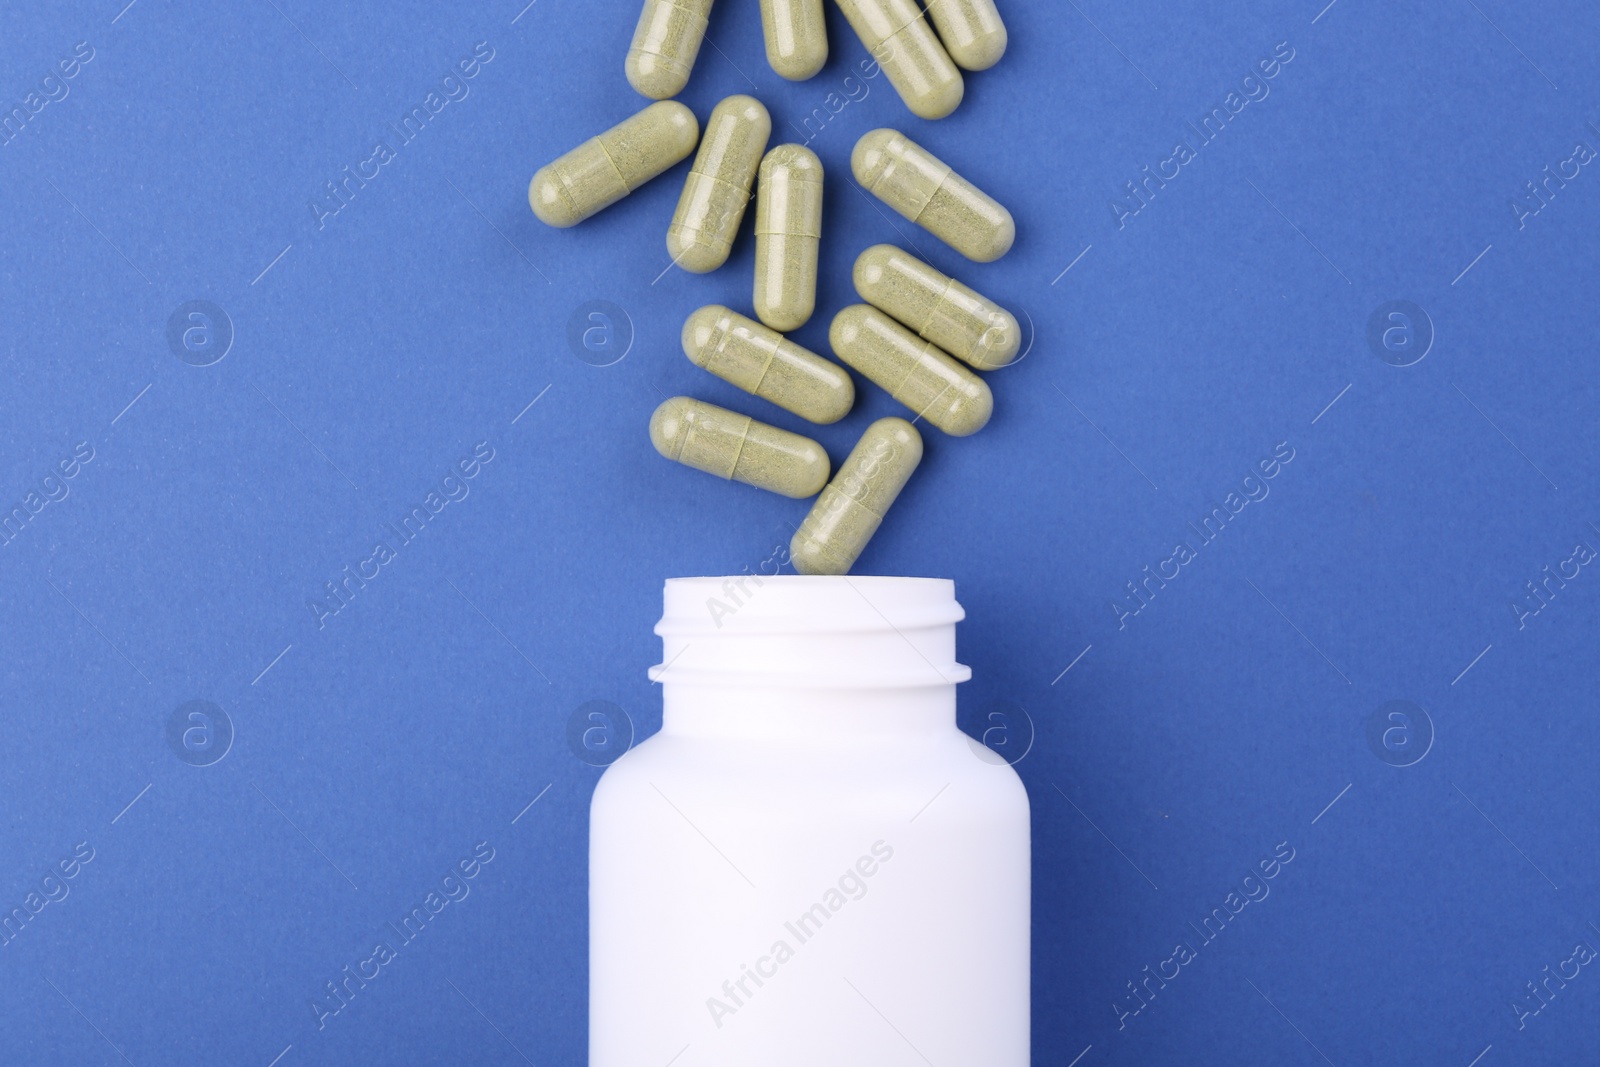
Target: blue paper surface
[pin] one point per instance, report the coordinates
(257, 743)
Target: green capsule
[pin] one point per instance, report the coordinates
(971, 31)
(737, 447)
(916, 183)
(852, 507)
(898, 35)
(788, 230)
(913, 371)
(607, 168)
(763, 363)
(797, 37)
(717, 189)
(665, 44)
(938, 308)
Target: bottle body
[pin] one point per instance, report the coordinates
(798, 874)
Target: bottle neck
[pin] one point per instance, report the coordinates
(756, 712)
(799, 656)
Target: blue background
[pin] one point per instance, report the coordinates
(373, 348)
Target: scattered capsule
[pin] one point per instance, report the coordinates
(788, 230)
(607, 168)
(717, 189)
(913, 371)
(971, 31)
(852, 507)
(763, 363)
(735, 446)
(797, 37)
(938, 308)
(898, 35)
(665, 44)
(914, 182)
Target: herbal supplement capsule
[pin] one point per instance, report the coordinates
(731, 445)
(852, 507)
(788, 229)
(914, 182)
(905, 46)
(938, 308)
(912, 370)
(665, 44)
(761, 362)
(718, 187)
(971, 31)
(797, 37)
(607, 168)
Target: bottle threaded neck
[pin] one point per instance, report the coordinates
(809, 632)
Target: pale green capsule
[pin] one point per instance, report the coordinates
(797, 37)
(938, 308)
(898, 35)
(913, 371)
(916, 183)
(971, 30)
(737, 447)
(717, 189)
(665, 44)
(788, 230)
(607, 168)
(765, 364)
(852, 507)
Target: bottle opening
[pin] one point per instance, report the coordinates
(809, 631)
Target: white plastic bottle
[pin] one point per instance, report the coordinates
(809, 864)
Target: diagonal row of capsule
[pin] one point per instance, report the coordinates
(918, 331)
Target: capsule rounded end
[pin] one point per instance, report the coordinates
(549, 200)
(797, 161)
(802, 63)
(842, 397)
(997, 244)
(982, 52)
(847, 326)
(786, 315)
(693, 253)
(872, 156)
(655, 75)
(998, 344)
(809, 473)
(971, 410)
(808, 557)
(700, 331)
(748, 109)
(939, 99)
(680, 120)
(871, 266)
(669, 425)
(903, 434)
